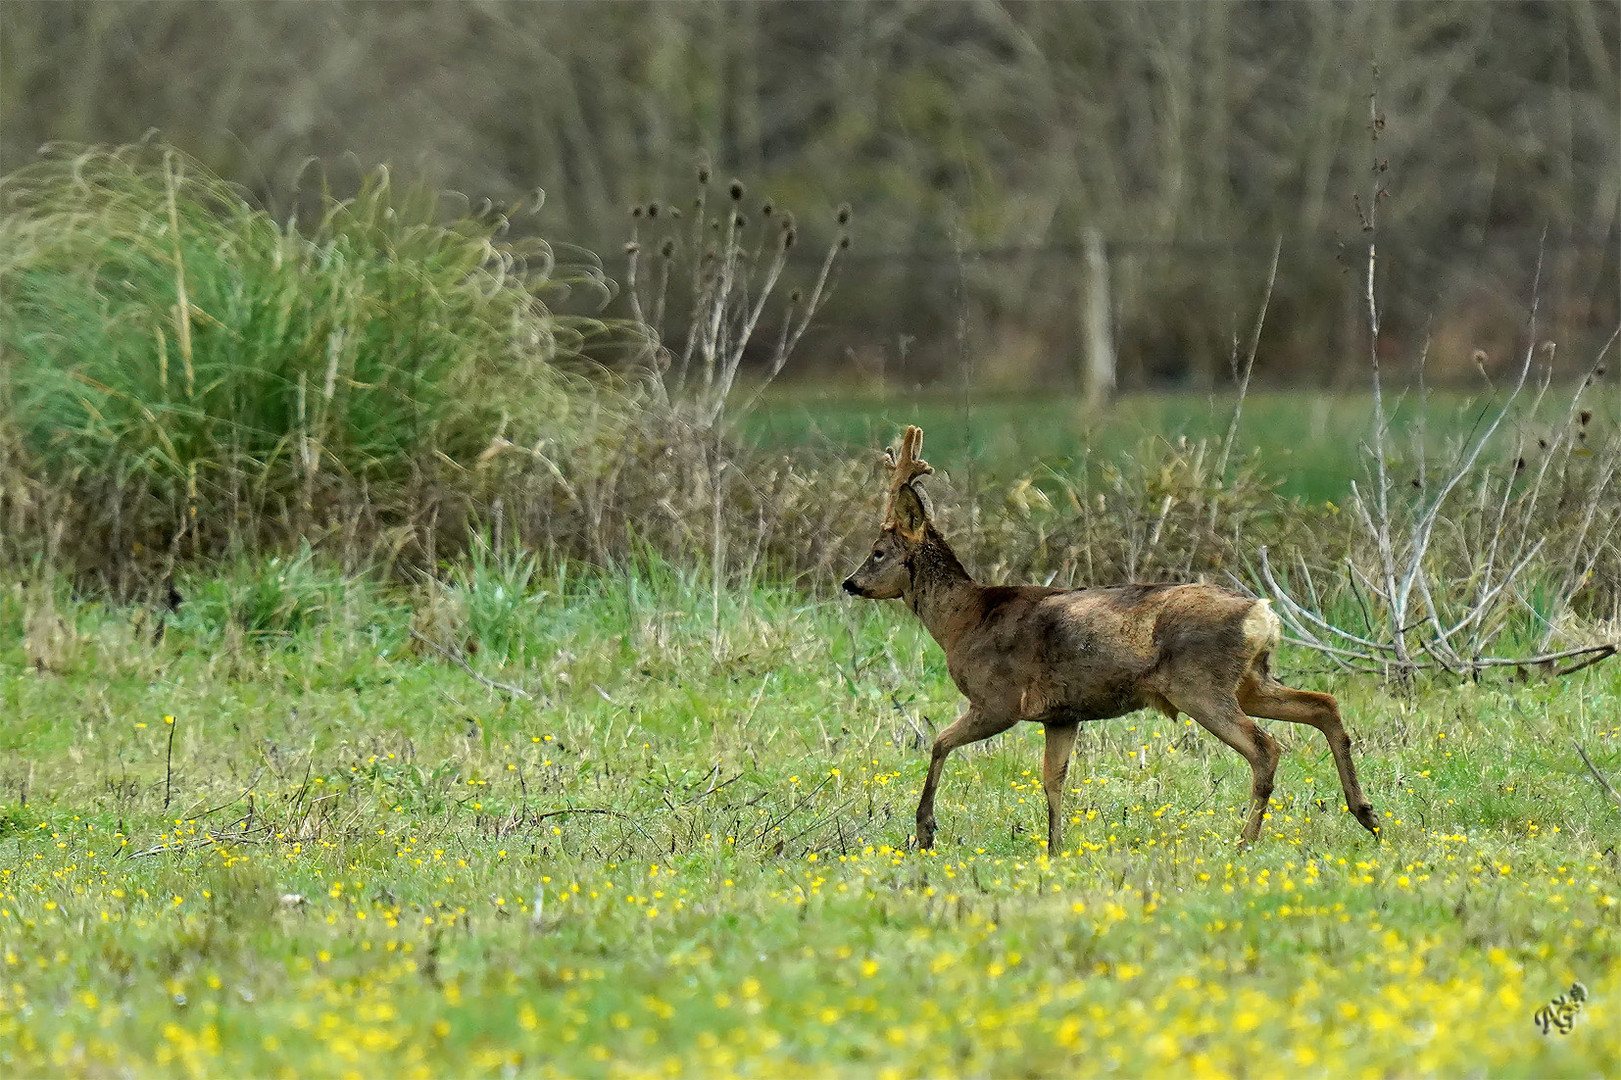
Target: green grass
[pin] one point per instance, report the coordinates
(335, 870)
(184, 365)
(1311, 443)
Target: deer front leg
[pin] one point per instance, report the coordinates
(972, 726)
(1054, 769)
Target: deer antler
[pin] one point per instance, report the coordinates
(906, 469)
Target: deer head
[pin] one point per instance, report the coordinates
(887, 572)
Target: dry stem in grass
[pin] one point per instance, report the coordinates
(718, 269)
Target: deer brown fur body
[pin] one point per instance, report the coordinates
(1062, 657)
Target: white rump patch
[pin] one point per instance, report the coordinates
(1261, 628)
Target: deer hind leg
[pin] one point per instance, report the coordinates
(1054, 769)
(1220, 715)
(971, 727)
(1264, 696)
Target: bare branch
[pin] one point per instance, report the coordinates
(1615, 796)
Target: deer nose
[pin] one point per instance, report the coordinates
(850, 587)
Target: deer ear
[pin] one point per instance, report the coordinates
(911, 512)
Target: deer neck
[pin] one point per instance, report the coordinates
(941, 592)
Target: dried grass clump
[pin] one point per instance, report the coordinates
(647, 484)
(1166, 513)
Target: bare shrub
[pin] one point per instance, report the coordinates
(1470, 560)
(700, 285)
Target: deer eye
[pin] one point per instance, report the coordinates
(878, 556)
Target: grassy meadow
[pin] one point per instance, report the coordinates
(1311, 444)
(673, 841)
(510, 723)
(1311, 441)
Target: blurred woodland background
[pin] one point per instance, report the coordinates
(977, 142)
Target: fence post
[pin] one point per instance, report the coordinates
(1098, 379)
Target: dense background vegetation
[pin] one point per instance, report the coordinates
(977, 140)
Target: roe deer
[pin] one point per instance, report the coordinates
(1060, 657)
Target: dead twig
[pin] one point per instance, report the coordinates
(259, 836)
(1614, 795)
(538, 818)
(168, 762)
(461, 661)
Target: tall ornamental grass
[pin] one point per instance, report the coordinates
(182, 374)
